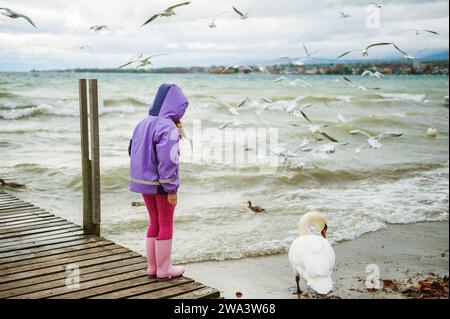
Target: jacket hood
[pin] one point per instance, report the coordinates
(170, 102)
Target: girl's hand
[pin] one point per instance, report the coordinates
(172, 199)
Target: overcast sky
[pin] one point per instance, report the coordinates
(275, 28)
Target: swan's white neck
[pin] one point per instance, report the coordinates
(303, 229)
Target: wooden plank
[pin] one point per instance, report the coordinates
(73, 251)
(95, 270)
(116, 250)
(16, 291)
(6, 202)
(22, 214)
(88, 288)
(137, 287)
(61, 268)
(32, 226)
(202, 293)
(37, 231)
(28, 220)
(172, 291)
(19, 210)
(49, 246)
(13, 206)
(38, 239)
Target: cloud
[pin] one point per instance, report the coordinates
(274, 29)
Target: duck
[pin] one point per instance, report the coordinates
(432, 132)
(11, 184)
(311, 255)
(255, 209)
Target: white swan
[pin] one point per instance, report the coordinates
(312, 256)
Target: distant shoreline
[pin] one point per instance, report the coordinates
(417, 67)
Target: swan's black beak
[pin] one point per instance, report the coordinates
(324, 231)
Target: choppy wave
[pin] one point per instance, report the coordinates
(23, 112)
(124, 102)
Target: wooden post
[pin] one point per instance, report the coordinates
(90, 156)
(85, 161)
(95, 156)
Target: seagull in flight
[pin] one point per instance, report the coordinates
(143, 61)
(308, 53)
(166, 13)
(344, 15)
(212, 24)
(419, 32)
(374, 141)
(15, 15)
(98, 28)
(373, 74)
(357, 86)
(86, 48)
(365, 52)
(243, 16)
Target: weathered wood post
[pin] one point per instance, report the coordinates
(95, 156)
(90, 156)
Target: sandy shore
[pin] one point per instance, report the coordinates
(401, 252)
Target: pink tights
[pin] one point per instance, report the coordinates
(160, 213)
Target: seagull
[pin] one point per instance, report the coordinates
(166, 13)
(376, 5)
(146, 61)
(212, 24)
(300, 111)
(244, 16)
(232, 109)
(318, 129)
(86, 47)
(141, 60)
(15, 15)
(357, 86)
(344, 15)
(432, 132)
(418, 31)
(280, 79)
(374, 141)
(308, 54)
(365, 52)
(375, 74)
(98, 28)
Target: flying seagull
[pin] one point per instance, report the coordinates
(166, 13)
(344, 15)
(244, 16)
(418, 31)
(365, 52)
(373, 74)
(212, 24)
(15, 15)
(143, 61)
(86, 48)
(374, 141)
(357, 86)
(308, 54)
(98, 28)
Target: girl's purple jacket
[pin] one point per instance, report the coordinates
(154, 147)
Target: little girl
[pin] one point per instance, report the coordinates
(154, 153)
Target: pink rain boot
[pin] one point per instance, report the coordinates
(165, 270)
(151, 257)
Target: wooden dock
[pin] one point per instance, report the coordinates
(40, 253)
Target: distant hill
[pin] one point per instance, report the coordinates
(437, 56)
